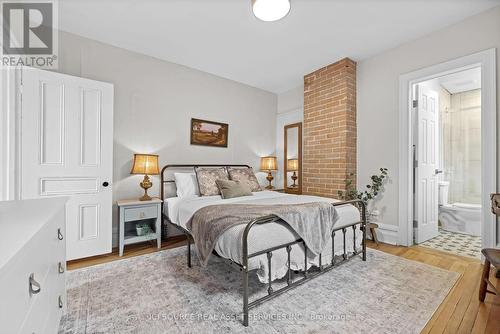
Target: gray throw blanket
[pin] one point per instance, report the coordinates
(313, 222)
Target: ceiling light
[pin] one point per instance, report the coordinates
(270, 10)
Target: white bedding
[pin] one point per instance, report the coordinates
(180, 211)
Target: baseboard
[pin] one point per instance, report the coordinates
(387, 233)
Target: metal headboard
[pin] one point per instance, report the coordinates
(165, 181)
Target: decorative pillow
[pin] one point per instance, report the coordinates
(187, 185)
(206, 180)
(232, 189)
(245, 175)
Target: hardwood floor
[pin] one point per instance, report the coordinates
(130, 251)
(460, 312)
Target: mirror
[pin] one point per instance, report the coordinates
(293, 158)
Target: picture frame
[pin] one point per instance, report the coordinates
(209, 133)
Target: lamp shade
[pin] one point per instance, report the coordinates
(145, 164)
(268, 163)
(292, 165)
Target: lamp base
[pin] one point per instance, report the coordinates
(294, 178)
(146, 184)
(145, 197)
(269, 178)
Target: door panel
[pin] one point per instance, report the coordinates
(68, 185)
(426, 192)
(66, 149)
(89, 221)
(51, 123)
(90, 119)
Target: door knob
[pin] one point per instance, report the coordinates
(437, 171)
(105, 184)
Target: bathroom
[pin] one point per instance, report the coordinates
(457, 168)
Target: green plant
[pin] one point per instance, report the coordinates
(372, 190)
(146, 229)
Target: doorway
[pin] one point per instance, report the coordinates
(447, 162)
(485, 61)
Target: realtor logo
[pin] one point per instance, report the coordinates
(29, 34)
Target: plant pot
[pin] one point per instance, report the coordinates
(141, 231)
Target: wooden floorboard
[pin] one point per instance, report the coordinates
(460, 312)
(130, 251)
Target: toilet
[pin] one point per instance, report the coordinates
(458, 217)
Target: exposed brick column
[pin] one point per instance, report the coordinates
(329, 128)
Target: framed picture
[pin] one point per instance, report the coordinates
(208, 133)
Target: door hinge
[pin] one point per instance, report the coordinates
(415, 103)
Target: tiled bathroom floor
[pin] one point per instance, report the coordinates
(457, 243)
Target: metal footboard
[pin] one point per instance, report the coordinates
(307, 274)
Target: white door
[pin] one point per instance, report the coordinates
(427, 164)
(67, 150)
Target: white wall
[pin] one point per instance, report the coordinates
(378, 90)
(291, 100)
(290, 110)
(154, 102)
(462, 147)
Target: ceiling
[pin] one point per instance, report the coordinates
(223, 37)
(461, 81)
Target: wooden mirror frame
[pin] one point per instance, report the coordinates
(298, 189)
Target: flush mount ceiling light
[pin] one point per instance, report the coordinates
(270, 10)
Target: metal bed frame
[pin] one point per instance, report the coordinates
(307, 274)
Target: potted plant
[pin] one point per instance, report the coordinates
(372, 190)
(142, 229)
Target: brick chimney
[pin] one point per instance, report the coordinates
(329, 128)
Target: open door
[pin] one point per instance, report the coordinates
(67, 150)
(426, 164)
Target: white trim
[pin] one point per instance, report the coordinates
(4, 145)
(387, 233)
(8, 132)
(487, 61)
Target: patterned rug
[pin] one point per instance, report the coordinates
(456, 243)
(157, 293)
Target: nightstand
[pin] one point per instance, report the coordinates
(133, 213)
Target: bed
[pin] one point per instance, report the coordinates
(273, 250)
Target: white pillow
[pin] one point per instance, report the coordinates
(187, 185)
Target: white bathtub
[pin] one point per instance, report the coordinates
(461, 218)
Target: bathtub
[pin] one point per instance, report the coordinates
(461, 218)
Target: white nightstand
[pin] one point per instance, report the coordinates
(133, 212)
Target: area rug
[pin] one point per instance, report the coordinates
(157, 293)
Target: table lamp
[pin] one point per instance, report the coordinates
(146, 164)
(293, 166)
(268, 164)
